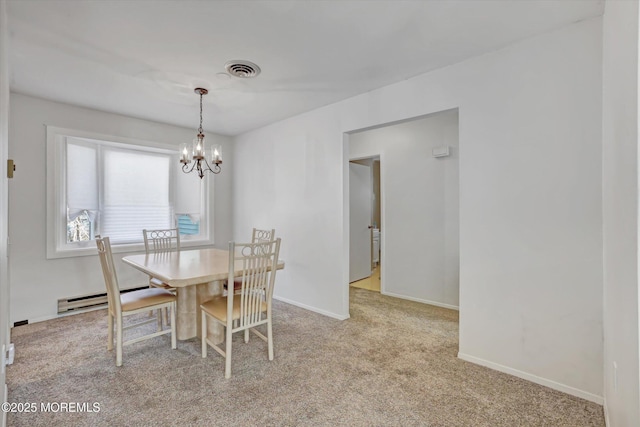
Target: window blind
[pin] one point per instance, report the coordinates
(136, 194)
(82, 178)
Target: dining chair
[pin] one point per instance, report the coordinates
(257, 236)
(159, 241)
(251, 306)
(120, 305)
(263, 235)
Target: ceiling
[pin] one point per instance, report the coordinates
(143, 58)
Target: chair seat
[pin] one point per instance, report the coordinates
(145, 298)
(159, 283)
(217, 308)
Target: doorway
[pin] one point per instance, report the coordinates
(419, 222)
(365, 220)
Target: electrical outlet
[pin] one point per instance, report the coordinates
(615, 376)
(8, 354)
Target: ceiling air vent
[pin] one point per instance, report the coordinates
(242, 69)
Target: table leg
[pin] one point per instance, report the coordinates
(188, 311)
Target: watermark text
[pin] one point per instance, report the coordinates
(54, 407)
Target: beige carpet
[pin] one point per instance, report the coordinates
(392, 364)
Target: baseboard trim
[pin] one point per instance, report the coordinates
(58, 316)
(314, 309)
(285, 300)
(424, 301)
(606, 413)
(533, 378)
(74, 312)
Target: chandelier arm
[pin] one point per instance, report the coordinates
(216, 168)
(185, 167)
(195, 166)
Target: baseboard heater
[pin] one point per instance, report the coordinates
(86, 302)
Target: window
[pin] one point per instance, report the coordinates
(115, 187)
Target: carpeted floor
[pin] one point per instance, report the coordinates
(392, 364)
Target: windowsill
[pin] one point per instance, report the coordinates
(91, 249)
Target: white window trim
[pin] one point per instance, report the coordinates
(56, 243)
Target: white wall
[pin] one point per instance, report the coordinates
(530, 200)
(620, 199)
(420, 239)
(36, 282)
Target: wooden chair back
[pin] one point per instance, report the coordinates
(161, 240)
(263, 235)
(109, 272)
(259, 263)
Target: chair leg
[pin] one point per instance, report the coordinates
(150, 287)
(246, 335)
(166, 316)
(269, 336)
(110, 333)
(159, 319)
(227, 364)
(173, 325)
(204, 333)
(119, 341)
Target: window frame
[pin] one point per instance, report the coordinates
(56, 224)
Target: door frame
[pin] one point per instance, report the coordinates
(346, 215)
(370, 220)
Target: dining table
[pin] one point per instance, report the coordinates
(197, 275)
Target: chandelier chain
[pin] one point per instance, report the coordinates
(200, 128)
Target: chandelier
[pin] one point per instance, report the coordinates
(198, 152)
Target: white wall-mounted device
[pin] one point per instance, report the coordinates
(440, 151)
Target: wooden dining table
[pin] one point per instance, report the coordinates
(198, 276)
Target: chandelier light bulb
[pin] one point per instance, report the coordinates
(184, 154)
(216, 154)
